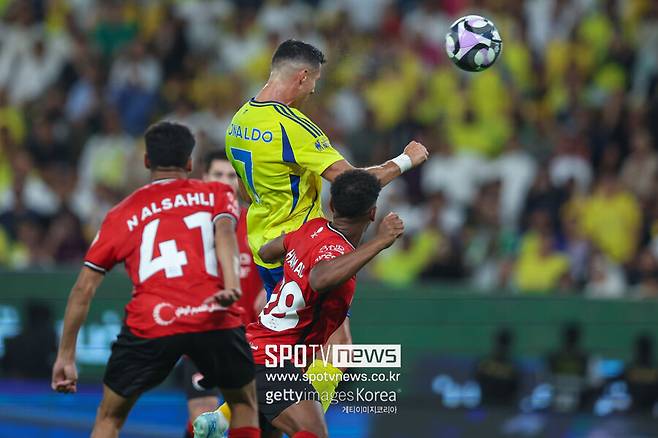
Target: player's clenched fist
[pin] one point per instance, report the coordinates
(225, 297)
(417, 152)
(390, 229)
(65, 376)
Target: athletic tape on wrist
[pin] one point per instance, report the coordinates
(403, 161)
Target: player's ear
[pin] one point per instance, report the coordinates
(147, 163)
(188, 166)
(331, 206)
(373, 214)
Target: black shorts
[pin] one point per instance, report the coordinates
(276, 394)
(138, 364)
(191, 378)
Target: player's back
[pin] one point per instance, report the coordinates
(279, 155)
(295, 313)
(164, 233)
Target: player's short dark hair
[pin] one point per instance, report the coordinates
(294, 50)
(218, 154)
(354, 193)
(169, 144)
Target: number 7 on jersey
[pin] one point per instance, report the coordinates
(244, 157)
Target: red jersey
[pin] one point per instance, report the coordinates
(295, 313)
(250, 281)
(164, 234)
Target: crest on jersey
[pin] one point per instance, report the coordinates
(318, 231)
(322, 144)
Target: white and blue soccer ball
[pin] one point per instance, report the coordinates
(473, 43)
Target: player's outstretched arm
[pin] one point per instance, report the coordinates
(273, 251)
(414, 155)
(228, 256)
(65, 373)
(329, 274)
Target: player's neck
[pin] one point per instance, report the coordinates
(277, 91)
(168, 174)
(353, 232)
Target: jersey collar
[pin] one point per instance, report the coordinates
(162, 180)
(255, 102)
(339, 233)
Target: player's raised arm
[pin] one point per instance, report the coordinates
(65, 374)
(414, 155)
(273, 251)
(329, 274)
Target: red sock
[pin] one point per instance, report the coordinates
(189, 433)
(244, 432)
(304, 434)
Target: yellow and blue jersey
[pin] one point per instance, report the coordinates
(279, 155)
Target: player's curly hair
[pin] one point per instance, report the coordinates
(354, 193)
(295, 50)
(169, 144)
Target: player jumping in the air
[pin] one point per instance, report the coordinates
(320, 262)
(170, 234)
(199, 400)
(281, 157)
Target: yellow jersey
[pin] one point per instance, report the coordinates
(279, 155)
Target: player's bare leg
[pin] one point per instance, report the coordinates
(111, 414)
(199, 405)
(244, 405)
(307, 416)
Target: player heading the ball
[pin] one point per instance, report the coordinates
(281, 156)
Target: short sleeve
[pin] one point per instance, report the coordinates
(305, 144)
(102, 254)
(226, 203)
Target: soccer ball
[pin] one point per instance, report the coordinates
(473, 43)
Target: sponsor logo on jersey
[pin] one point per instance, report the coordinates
(317, 232)
(333, 248)
(325, 256)
(165, 314)
(322, 144)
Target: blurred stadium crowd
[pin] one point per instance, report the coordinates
(543, 169)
